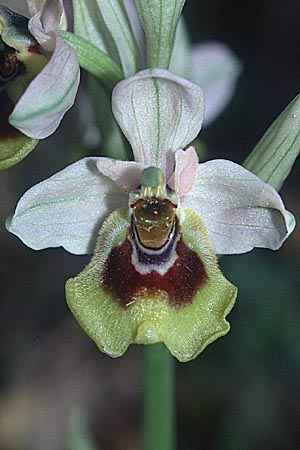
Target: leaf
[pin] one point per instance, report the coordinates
(273, 157)
(94, 60)
(159, 19)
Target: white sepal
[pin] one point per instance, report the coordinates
(159, 113)
(239, 210)
(53, 90)
(67, 209)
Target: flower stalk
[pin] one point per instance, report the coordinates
(159, 398)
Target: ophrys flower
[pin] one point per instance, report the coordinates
(35, 63)
(154, 276)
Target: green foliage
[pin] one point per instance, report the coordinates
(273, 157)
(94, 60)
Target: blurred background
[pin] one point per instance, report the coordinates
(243, 392)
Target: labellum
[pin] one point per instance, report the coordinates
(153, 278)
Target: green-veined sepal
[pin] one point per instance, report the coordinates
(94, 60)
(159, 19)
(104, 23)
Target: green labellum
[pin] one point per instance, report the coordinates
(185, 320)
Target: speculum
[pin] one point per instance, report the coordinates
(153, 220)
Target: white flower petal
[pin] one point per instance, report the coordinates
(158, 113)
(47, 18)
(240, 211)
(216, 69)
(49, 96)
(126, 174)
(52, 13)
(67, 209)
(36, 28)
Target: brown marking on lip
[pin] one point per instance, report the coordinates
(6, 107)
(180, 282)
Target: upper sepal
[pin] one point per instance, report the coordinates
(149, 309)
(169, 120)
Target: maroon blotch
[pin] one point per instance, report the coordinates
(180, 282)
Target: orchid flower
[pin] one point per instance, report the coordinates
(163, 218)
(35, 63)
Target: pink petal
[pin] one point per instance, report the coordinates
(184, 176)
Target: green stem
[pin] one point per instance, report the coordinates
(159, 403)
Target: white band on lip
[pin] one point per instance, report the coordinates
(161, 267)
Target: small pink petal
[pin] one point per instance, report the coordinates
(186, 166)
